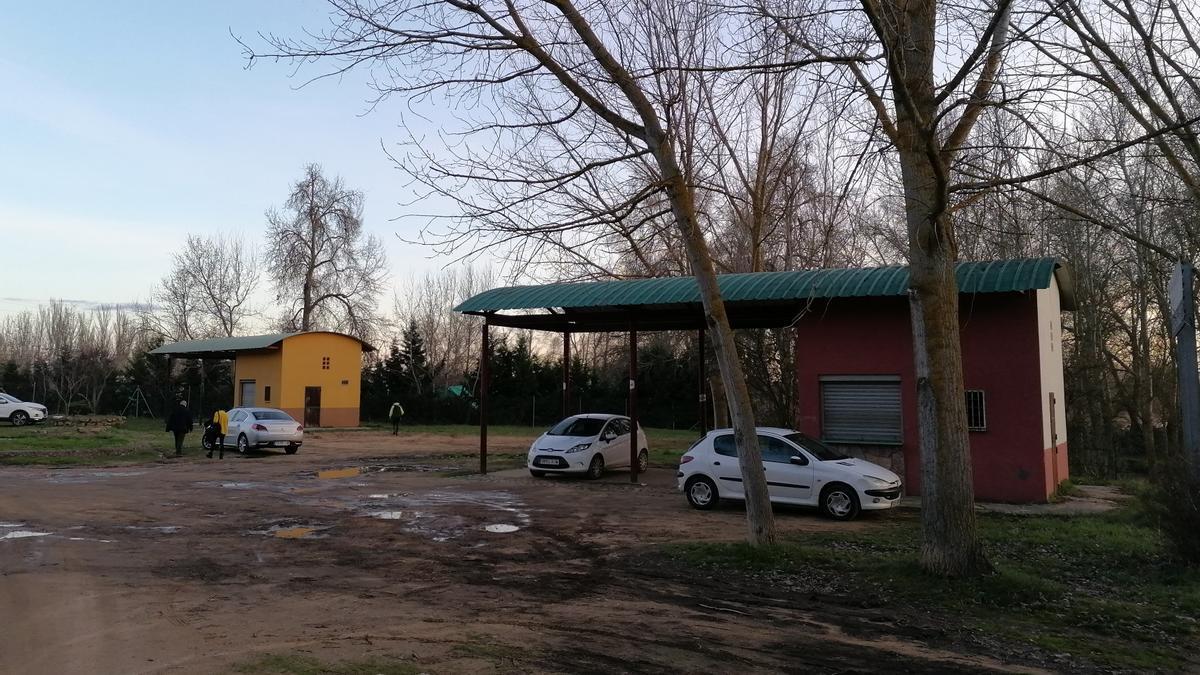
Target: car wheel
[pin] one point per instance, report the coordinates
(596, 468)
(537, 474)
(840, 502)
(19, 418)
(702, 493)
(243, 444)
(206, 442)
(643, 461)
(292, 449)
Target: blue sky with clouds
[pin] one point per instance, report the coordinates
(126, 125)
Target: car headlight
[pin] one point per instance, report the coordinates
(579, 448)
(878, 481)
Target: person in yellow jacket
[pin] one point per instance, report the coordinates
(220, 427)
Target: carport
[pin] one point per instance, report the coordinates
(853, 381)
(752, 300)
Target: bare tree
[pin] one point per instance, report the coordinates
(174, 313)
(224, 275)
(428, 303)
(564, 95)
(322, 265)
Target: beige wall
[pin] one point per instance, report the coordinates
(1051, 361)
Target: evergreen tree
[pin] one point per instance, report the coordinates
(16, 381)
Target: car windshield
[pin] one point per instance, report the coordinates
(816, 448)
(10, 399)
(271, 415)
(577, 426)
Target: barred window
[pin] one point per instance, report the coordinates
(976, 410)
(324, 363)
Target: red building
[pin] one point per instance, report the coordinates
(855, 385)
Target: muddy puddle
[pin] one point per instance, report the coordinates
(161, 529)
(444, 515)
(294, 531)
(355, 471)
(22, 534)
(10, 531)
(69, 477)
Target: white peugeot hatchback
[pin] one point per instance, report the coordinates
(586, 444)
(800, 470)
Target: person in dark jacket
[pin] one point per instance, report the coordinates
(179, 422)
(395, 415)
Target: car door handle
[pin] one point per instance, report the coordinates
(716, 464)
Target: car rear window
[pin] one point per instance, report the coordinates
(271, 415)
(577, 426)
(724, 445)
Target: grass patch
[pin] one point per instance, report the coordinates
(1099, 587)
(139, 440)
(298, 664)
(481, 647)
(666, 445)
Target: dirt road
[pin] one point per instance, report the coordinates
(362, 545)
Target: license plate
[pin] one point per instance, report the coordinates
(547, 461)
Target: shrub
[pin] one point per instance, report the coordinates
(1174, 503)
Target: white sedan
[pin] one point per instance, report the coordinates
(800, 470)
(586, 444)
(263, 428)
(20, 413)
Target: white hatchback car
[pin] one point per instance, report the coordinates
(263, 428)
(800, 470)
(586, 444)
(20, 413)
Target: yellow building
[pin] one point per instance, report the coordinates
(316, 377)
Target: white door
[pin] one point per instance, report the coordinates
(725, 467)
(616, 451)
(235, 426)
(6, 406)
(789, 471)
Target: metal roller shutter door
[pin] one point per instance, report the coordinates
(860, 411)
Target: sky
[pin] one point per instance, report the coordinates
(125, 126)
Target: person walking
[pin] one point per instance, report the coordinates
(180, 423)
(220, 421)
(395, 415)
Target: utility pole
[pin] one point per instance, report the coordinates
(1183, 326)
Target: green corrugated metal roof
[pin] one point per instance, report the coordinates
(973, 277)
(227, 344)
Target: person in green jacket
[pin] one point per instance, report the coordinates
(395, 415)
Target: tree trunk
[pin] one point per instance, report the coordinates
(760, 520)
(720, 404)
(950, 541)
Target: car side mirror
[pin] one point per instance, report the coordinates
(608, 436)
(797, 459)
